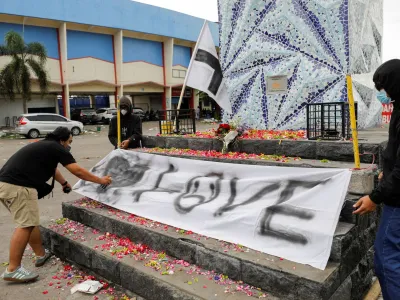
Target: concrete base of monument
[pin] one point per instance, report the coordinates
(370, 150)
(347, 276)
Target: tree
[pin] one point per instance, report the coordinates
(215, 108)
(26, 59)
(202, 96)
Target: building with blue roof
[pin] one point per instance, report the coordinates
(107, 48)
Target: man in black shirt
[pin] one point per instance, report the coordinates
(22, 179)
(131, 126)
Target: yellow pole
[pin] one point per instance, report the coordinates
(353, 121)
(118, 122)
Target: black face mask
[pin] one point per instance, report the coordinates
(68, 148)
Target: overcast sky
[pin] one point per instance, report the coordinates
(207, 9)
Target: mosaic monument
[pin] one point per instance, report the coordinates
(305, 47)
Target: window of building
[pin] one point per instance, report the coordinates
(178, 73)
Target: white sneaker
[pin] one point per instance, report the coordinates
(19, 275)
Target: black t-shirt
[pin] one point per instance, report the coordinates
(35, 164)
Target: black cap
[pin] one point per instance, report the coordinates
(387, 77)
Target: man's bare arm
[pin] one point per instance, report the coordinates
(59, 177)
(84, 174)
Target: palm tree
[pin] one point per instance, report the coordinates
(26, 59)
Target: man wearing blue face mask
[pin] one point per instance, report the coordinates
(387, 243)
(383, 97)
(131, 126)
(23, 181)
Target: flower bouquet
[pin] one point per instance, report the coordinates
(228, 133)
(223, 129)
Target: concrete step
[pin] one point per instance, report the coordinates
(139, 269)
(268, 272)
(114, 221)
(363, 222)
(331, 150)
(362, 181)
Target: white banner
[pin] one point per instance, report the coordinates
(287, 212)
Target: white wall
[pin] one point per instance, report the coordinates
(143, 88)
(135, 72)
(142, 102)
(91, 88)
(147, 102)
(15, 108)
(89, 69)
(9, 109)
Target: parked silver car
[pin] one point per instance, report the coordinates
(34, 125)
(105, 114)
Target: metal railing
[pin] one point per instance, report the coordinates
(185, 123)
(329, 121)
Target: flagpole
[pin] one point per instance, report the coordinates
(118, 122)
(188, 72)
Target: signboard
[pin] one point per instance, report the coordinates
(387, 113)
(287, 212)
(277, 84)
(176, 92)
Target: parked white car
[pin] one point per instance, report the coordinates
(34, 125)
(105, 114)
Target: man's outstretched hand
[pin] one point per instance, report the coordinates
(106, 180)
(364, 206)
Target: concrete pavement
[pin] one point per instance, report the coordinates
(87, 150)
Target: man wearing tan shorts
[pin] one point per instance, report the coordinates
(22, 203)
(21, 178)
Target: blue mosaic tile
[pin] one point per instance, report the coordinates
(315, 43)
